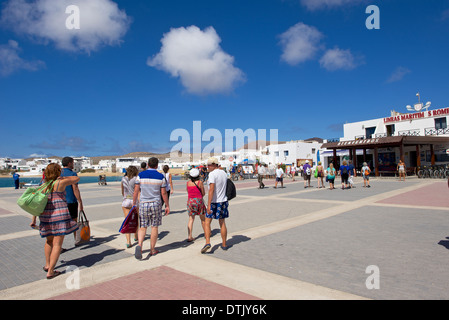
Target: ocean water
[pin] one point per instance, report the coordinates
(9, 182)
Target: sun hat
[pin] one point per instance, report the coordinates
(194, 173)
(212, 160)
(307, 161)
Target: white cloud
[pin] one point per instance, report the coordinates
(300, 43)
(398, 74)
(327, 4)
(337, 59)
(195, 56)
(10, 61)
(102, 23)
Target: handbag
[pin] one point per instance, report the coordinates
(34, 200)
(131, 222)
(82, 235)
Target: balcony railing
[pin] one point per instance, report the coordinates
(413, 132)
(436, 132)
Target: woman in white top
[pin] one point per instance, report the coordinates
(128, 183)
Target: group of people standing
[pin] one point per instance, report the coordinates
(346, 172)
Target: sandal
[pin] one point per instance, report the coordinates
(206, 248)
(54, 275)
(154, 253)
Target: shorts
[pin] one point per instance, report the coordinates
(279, 179)
(219, 210)
(73, 210)
(150, 214)
(366, 177)
(307, 176)
(331, 180)
(127, 203)
(195, 206)
(344, 178)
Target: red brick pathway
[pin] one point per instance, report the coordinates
(162, 283)
(434, 195)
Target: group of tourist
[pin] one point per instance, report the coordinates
(149, 190)
(346, 172)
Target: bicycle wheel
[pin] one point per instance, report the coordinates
(420, 174)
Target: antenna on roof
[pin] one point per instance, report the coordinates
(419, 107)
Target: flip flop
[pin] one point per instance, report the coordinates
(54, 275)
(206, 248)
(154, 253)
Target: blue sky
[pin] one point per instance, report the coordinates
(138, 69)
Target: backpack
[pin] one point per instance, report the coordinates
(308, 171)
(231, 192)
(367, 172)
(345, 170)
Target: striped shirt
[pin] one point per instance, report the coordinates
(150, 182)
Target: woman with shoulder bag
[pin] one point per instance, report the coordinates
(55, 221)
(195, 203)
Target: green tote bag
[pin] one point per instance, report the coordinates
(34, 200)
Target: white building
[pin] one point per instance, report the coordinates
(420, 139)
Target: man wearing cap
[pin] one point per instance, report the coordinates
(217, 203)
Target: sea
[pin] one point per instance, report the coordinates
(9, 182)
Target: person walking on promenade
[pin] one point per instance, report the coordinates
(168, 181)
(366, 171)
(260, 175)
(55, 221)
(128, 185)
(320, 175)
(331, 176)
(150, 185)
(293, 171)
(217, 206)
(279, 177)
(195, 202)
(307, 172)
(344, 173)
(352, 174)
(72, 192)
(401, 169)
(16, 178)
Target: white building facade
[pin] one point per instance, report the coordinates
(419, 139)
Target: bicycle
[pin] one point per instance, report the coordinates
(424, 172)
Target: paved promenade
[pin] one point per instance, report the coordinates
(289, 243)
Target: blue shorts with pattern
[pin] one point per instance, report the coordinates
(219, 210)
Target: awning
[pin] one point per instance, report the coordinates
(340, 153)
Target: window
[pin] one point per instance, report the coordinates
(285, 153)
(276, 153)
(313, 150)
(390, 130)
(369, 132)
(440, 123)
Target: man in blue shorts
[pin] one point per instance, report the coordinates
(151, 185)
(217, 207)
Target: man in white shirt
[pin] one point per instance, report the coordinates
(217, 206)
(279, 177)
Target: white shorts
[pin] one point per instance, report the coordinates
(127, 203)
